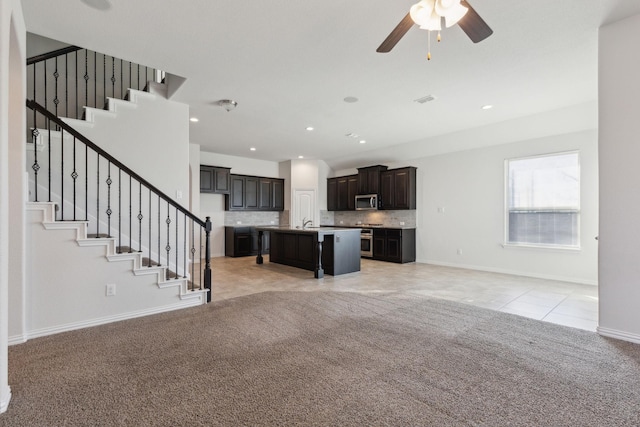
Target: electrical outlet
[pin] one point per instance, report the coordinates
(178, 194)
(459, 251)
(238, 222)
(111, 289)
(401, 222)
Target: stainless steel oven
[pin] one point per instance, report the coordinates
(366, 243)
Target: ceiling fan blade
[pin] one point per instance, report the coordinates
(395, 36)
(473, 25)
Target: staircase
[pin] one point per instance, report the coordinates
(80, 190)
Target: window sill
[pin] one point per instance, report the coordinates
(545, 248)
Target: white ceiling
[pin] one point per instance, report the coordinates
(289, 65)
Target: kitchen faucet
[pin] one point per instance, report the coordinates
(306, 222)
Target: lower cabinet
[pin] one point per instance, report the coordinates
(394, 244)
(243, 241)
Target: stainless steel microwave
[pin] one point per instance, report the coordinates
(366, 202)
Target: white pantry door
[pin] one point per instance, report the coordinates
(304, 206)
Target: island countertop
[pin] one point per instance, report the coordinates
(312, 230)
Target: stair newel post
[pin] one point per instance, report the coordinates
(207, 255)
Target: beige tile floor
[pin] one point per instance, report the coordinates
(564, 303)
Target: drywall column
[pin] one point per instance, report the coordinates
(12, 125)
(619, 151)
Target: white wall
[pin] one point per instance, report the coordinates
(60, 302)
(150, 136)
(12, 193)
(619, 91)
(469, 186)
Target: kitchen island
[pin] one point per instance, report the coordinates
(318, 249)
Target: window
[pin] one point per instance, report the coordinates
(543, 200)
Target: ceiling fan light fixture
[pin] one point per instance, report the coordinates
(454, 14)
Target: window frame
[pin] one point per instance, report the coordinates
(543, 246)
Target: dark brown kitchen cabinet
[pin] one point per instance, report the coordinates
(332, 194)
(243, 241)
(254, 193)
(214, 179)
(398, 188)
(277, 194)
(394, 244)
(369, 179)
(341, 193)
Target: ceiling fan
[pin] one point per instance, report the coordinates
(429, 13)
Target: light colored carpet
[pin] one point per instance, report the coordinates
(326, 358)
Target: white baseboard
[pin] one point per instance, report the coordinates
(110, 319)
(512, 272)
(619, 335)
(4, 403)
(17, 339)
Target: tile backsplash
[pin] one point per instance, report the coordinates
(399, 218)
(253, 218)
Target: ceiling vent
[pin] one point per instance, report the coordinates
(424, 99)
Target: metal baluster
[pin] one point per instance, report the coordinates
(86, 182)
(130, 212)
(77, 116)
(150, 228)
(131, 86)
(74, 176)
(61, 173)
(48, 128)
(177, 246)
(113, 76)
(121, 81)
(95, 79)
(35, 123)
(56, 101)
(138, 77)
(193, 253)
(159, 257)
(66, 85)
(104, 80)
(109, 211)
(86, 77)
(184, 250)
(35, 166)
(119, 210)
(168, 247)
(45, 85)
(140, 217)
(200, 259)
(98, 195)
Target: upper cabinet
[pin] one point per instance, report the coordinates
(398, 188)
(369, 179)
(395, 187)
(253, 193)
(341, 193)
(214, 179)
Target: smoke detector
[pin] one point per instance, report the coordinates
(227, 104)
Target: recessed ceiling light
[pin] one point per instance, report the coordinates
(309, 128)
(252, 148)
(487, 107)
(301, 157)
(194, 119)
(362, 141)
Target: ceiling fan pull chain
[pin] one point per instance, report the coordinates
(439, 38)
(429, 48)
